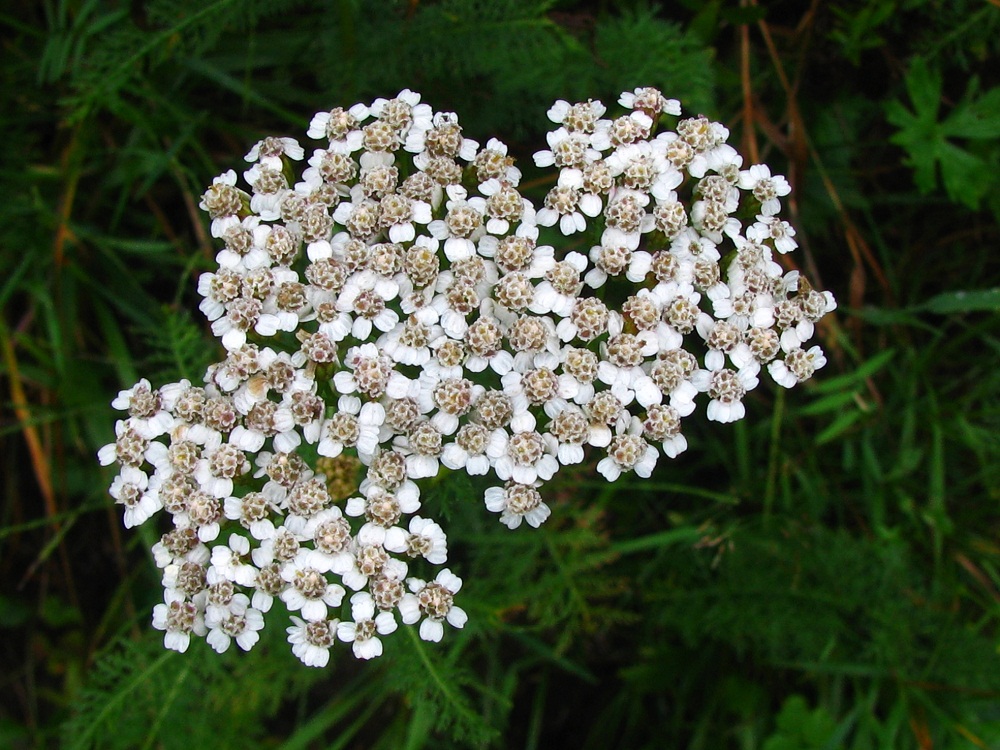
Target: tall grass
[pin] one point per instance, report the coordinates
(825, 575)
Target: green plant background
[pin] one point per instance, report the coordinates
(825, 574)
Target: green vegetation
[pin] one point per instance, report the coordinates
(823, 574)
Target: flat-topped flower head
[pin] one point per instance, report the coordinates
(401, 302)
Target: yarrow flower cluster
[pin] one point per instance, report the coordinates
(395, 308)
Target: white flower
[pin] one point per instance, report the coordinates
(229, 562)
(713, 148)
(179, 619)
(421, 119)
(581, 116)
(179, 546)
(627, 219)
(723, 159)
(360, 215)
(496, 153)
(353, 425)
(745, 309)
(269, 189)
(270, 150)
(129, 449)
(216, 471)
(579, 370)
(798, 365)
(765, 188)
(252, 511)
(564, 205)
(400, 213)
(649, 99)
(773, 228)
(244, 250)
(129, 489)
(274, 318)
(559, 291)
(663, 425)
(310, 591)
(364, 297)
(525, 456)
(605, 412)
(517, 502)
(382, 508)
(726, 388)
(422, 447)
(422, 304)
(425, 538)
(371, 560)
(372, 374)
(145, 407)
(240, 622)
(566, 149)
(448, 122)
(469, 450)
(628, 452)
(462, 226)
(366, 624)
(505, 205)
(622, 364)
(706, 216)
(408, 343)
(643, 166)
(331, 534)
(434, 602)
(223, 201)
(519, 253)
(720, 336)
(689, 246)
(339, 126)
(635, 124)
(311, 641)
(614, 257)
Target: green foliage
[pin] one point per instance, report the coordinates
(139, 694)
(825, 575)
(858, 28)
(645, 48)
(968, 173)
(801, 729)
(438, 687)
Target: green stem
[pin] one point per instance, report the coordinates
(773, 455)
(442, 686)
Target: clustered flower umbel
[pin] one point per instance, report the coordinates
(397, 310)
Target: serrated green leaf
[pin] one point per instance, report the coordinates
(966, 177)
(924, 86)
(919, 137)
(976, 119)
